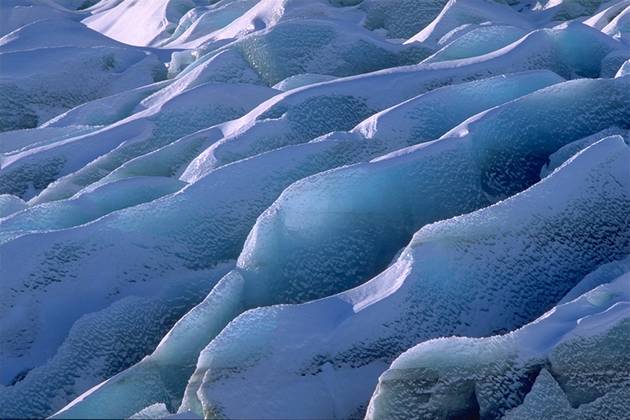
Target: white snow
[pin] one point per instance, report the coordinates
(251, 208)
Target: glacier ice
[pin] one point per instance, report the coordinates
(553, 367)
(10, 204)
(157, 18)
(302, 79)
(15, 14)
(185, 234)
(85, 159)
(226, 301)
(324, 357)
(30, 98)
(399, 19)
(459, 12)
(477, 41)
(287, 200)
(88, 205)
(624, 70)
(564, 153)
(350, 233)
(216, 304)
(301, 115)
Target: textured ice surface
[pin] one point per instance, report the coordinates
(301, 115)
(300, 80)
(570, 363)
(174, 237)
(218, 309)
(565, 152)
(460, 12)
(45, 91)
(477, 41)
(10, 204)
(87, 158)
(157, 19)
(181, 180)
(87, 206)
(323, 357)
(401, 18)
(619, 27)
(171, 363)
(428, 116)
(624, 70)
(15, 14)
(326, 233)
(102, 342)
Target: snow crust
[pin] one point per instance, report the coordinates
(552, 367)
(336, 347)
(314, 208)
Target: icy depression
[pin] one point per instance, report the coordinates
(315, 209)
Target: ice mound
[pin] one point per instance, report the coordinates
(218, 307)
(460, 12)
(205, 199)
(349, 232)
(158, 246)
(318, 46)
(199, 23)
(191, 24)
(624, 70)
(103, 111)
(605, 16)
(36, 86)
(100, 344)
(259, 16)
(17, 13)
(399, 18)
(619, 27)
(171, 364)
(477, 41)
(303, 79)
(303, 114)
(430, 115)
(84, 159)
(323, 357)
(157, 19)
(563, 154)
(569, 363)
(87, 206)
(61, 32)
(565, 10)
(10, 204)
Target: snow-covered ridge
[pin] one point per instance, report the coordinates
(314, 208)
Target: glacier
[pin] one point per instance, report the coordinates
(356, 331)
(290, 209)
(551, 366)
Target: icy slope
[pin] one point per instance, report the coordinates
(85, 159)
(170, 351)
(156, 18)
(324, 357)
(573, 356)
(172, 170)
(175, 363)
(49, 86)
